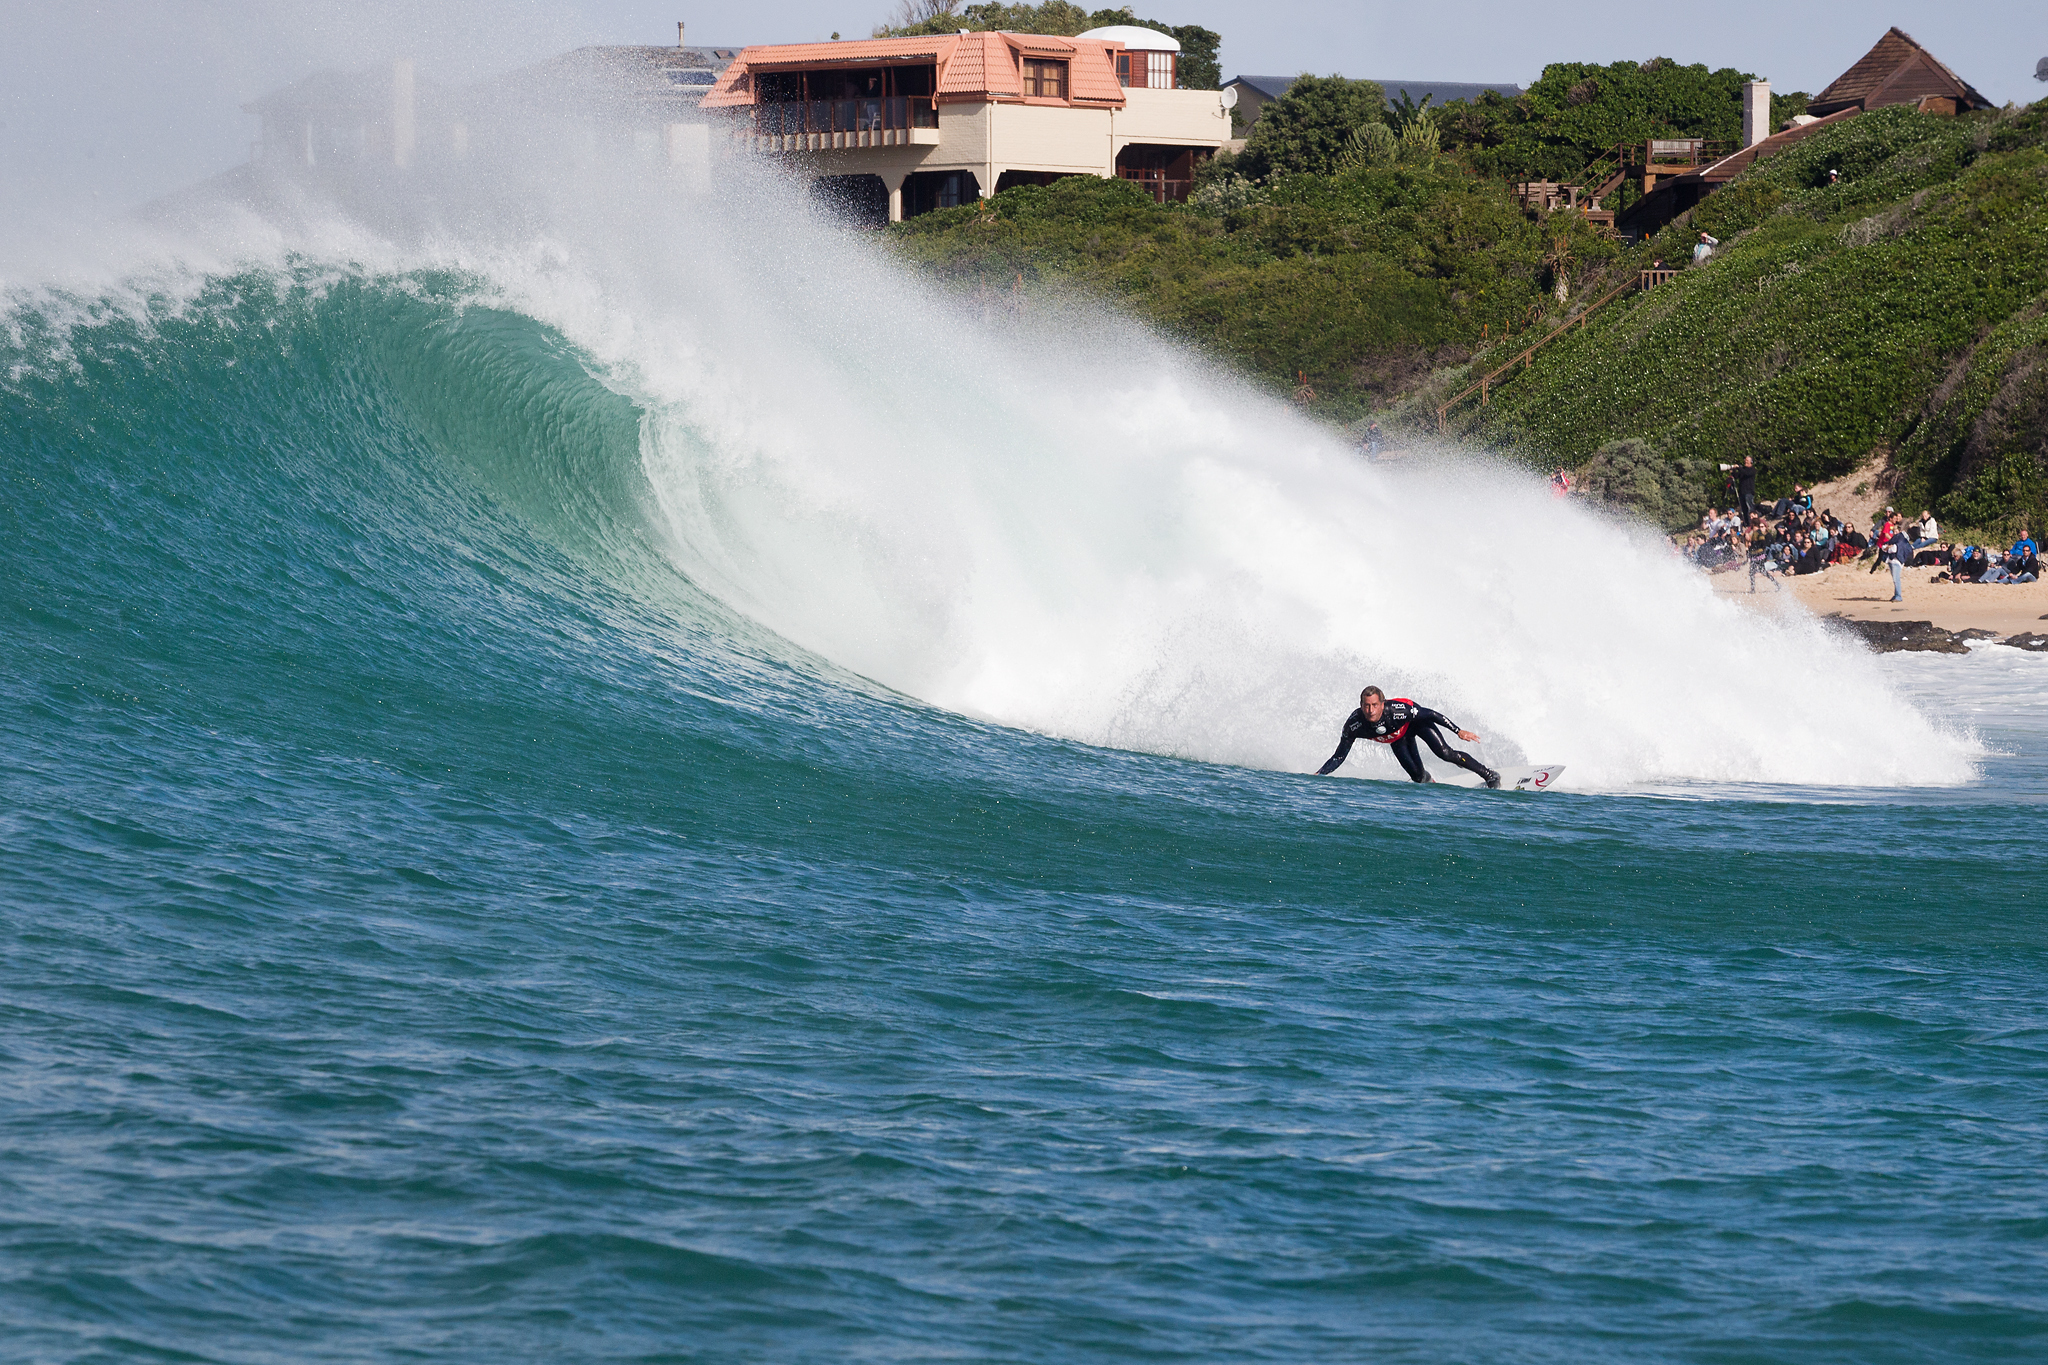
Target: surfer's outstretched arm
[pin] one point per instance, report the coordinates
(1336, 760)
(1423, 713)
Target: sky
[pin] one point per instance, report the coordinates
(117, 101)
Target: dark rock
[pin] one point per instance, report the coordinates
(2033, 644)
(1890, 637)
(1976, 633)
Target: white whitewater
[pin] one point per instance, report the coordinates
(1051, 518)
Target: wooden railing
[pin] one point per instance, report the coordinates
(872, 114)
(1483, 386)
(1162, 189)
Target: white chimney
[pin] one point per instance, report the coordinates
(1756, 112)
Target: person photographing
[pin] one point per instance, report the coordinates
(1743, 476)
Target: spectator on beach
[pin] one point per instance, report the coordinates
(2007, 573)
(1810, 559)
(2025, 546)
(1970, 565)
(1745, 485)
(1893, 550)
(1704, 248)
(1372, 442)
(1940, 554)
(1561, 482)
(1926, 531)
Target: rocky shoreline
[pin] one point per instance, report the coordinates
(1891, 637)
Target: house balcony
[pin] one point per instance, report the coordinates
(828, 125)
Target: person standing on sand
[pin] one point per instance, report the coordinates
(1745, 484)
(1894, 549)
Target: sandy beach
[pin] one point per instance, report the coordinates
(1852, 591)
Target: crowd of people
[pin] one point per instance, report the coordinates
(1793, 537)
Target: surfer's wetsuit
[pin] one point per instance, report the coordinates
(1400, 722)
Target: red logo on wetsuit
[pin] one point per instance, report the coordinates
(1412, 709)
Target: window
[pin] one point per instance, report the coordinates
(1045, 80)
(1153, 70)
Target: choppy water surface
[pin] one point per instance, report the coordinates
(464, 899)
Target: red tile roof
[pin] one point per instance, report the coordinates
(982, 65)
(971, 66)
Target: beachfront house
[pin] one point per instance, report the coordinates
(889, 128)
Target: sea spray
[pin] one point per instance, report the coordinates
(1056, 520)
(1042, 514)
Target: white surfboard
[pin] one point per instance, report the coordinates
(1533, 779)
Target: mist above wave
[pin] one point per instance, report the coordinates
(1026, 508)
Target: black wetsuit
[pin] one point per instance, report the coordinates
(1401, 722)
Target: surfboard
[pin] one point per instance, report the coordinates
(1532, 779)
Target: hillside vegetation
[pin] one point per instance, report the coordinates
(1900, 313)
(1360, 284)
(1370, 259)
(1355, 245)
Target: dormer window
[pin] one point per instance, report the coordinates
(1044, 80)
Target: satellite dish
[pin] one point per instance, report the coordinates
(1230, 94)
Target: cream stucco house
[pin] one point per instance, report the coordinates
(900, 126)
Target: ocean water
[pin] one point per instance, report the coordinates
(564, 805)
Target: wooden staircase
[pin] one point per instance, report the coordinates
(1483, 386)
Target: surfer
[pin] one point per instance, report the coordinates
(1399, 723)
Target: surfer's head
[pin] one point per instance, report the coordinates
(1372, 701)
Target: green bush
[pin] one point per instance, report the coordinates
(1631, 475)
(2012, 489)
(1308, 130)
(1576, 114)
(1898, 312)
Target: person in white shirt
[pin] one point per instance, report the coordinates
(1705, 248)
(1929, 532)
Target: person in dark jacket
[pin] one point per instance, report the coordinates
(1895, 553)
(1812, 559)
(1743, 476)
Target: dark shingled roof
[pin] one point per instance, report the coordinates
(1896, 71)
(1443, 92)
